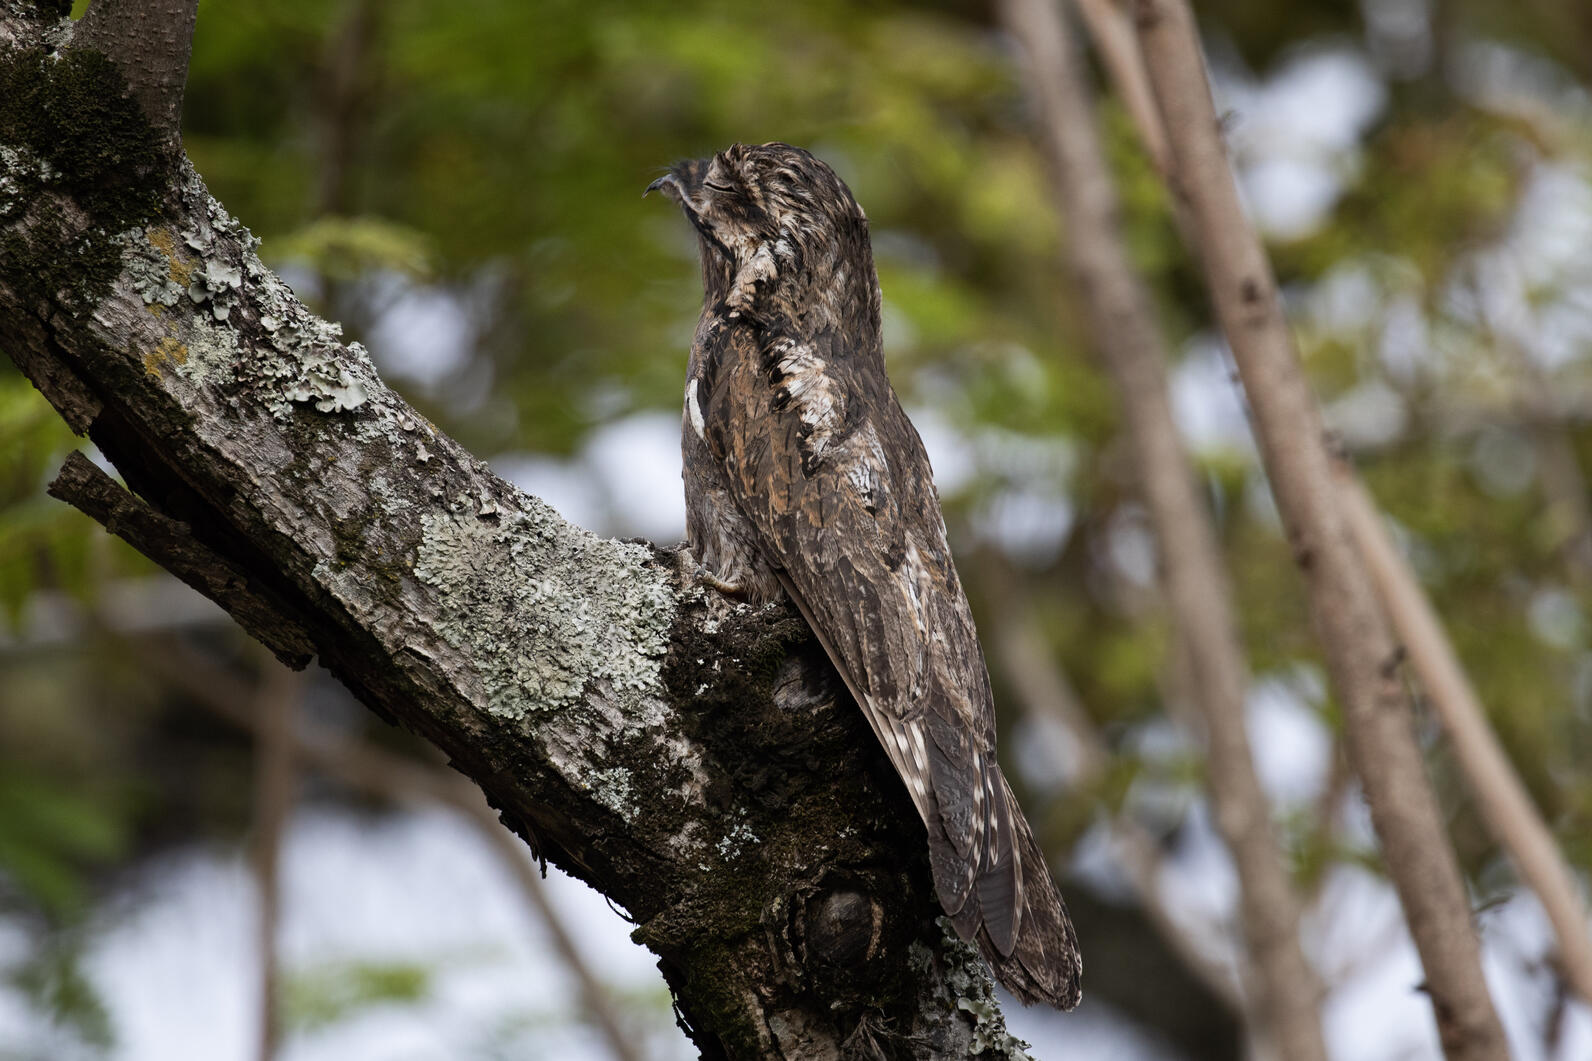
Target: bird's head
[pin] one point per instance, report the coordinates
(774, 221)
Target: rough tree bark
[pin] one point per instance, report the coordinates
(694, 760)
(1363, 661)
(1283, 990)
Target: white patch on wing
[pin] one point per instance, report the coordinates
(914, 578)
(694, 411)
(815, 396)
(909, 739)
(866, 470)
(978, 789)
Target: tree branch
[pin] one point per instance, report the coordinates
(150, 42)
(695, 761)
(1512, 818)
(1362, 659)
(1505, 804)
(170, 544)
(1118, 48)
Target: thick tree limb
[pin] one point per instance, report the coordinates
(693, 760)
(1283, 990)
(1362, 659)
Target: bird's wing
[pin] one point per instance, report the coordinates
(823, 462)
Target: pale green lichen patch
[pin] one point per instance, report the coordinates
(545, 609)
(327, 383)
(211, 265)
(968, 981)
(152, 264)
(390, 501)
(613, 789)
(731, 843)
(211, 349)
(302, 358)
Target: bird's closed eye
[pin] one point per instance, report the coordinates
(712, 186)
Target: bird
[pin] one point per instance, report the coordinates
(804, 478)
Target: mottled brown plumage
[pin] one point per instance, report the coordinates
(803, 476)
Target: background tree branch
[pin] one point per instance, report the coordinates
(693, 760)
(1514, 821)
(1362, 657)
(1282, 988)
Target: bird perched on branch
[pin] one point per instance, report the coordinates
(804, 476)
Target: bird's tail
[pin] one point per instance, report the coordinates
(1021, 924)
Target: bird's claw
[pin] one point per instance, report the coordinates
(708, 578)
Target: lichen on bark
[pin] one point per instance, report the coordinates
(516, 590)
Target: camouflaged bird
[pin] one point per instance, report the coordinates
(803, 476)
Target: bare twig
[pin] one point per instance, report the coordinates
(1431, 653)
(1362, 658)
(1284, 989)
(1112, 33)
(1500, 795)
(170, 543)
(274, 704)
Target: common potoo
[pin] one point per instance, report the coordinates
(804, 476)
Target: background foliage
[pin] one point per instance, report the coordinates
(460, 185)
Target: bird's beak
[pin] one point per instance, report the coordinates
(683, 182)
(669, 184)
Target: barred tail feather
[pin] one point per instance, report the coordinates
(1039, 962)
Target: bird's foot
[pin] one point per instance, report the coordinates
(729, 589)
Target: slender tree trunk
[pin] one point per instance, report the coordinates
(1513, 819)
(1362, 659)
(1283, 990)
